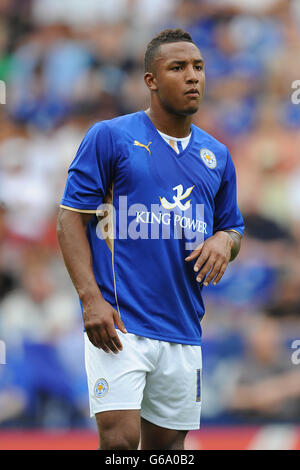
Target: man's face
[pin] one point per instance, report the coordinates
(179, 78)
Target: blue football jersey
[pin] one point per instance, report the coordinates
(152, 207)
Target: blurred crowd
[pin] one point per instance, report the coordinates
(69, 64)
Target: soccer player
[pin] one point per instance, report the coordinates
(149, 217)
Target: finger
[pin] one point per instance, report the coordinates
(96, 339)
(221, 273)
(113, 348)
(205, 269)
(119, 323)
(213, 273)
(195, 253)
(91, 338)
(117, 342)
(104, 347)
(203, 258)
(114, 341)
(109, 343)
(101, 343)
(102, 339)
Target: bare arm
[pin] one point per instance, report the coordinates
(98, 315)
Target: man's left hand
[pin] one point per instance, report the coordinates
(213, 257)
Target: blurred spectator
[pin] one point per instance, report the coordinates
(114, 11)
(267, 385)
(33, 320)
(28, 196)
(38, 310)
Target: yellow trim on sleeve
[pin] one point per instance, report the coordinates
(235, 231)
(84, 211)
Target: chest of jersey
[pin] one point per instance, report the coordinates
(151, 172)
(157, 187)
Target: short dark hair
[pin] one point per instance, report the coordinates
(164, 37)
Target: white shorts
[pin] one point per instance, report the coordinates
(161, 379)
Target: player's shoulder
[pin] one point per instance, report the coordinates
(209, 141)
(117, 125)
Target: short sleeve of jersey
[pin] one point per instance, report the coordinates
(91, 172)
(227, 214)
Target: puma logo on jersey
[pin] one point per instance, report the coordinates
(138, 144)
(180, 196)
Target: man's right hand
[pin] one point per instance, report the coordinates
(99, 321)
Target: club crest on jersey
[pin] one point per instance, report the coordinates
(101, 388)
(208, 158)
(180, 196)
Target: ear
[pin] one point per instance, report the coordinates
(151, 81)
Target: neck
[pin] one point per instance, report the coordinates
(169, 123)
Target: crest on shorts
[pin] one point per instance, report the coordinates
(101, 388)
(208, 158)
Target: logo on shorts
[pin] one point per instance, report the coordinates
(101, 388)
(208, 158)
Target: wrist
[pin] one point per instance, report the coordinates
(226, 235)
(90, 295)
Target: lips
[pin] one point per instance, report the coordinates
(192, 92)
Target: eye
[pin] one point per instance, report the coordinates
(199, 67)
(177, 67)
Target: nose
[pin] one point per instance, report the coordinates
(191, 75)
